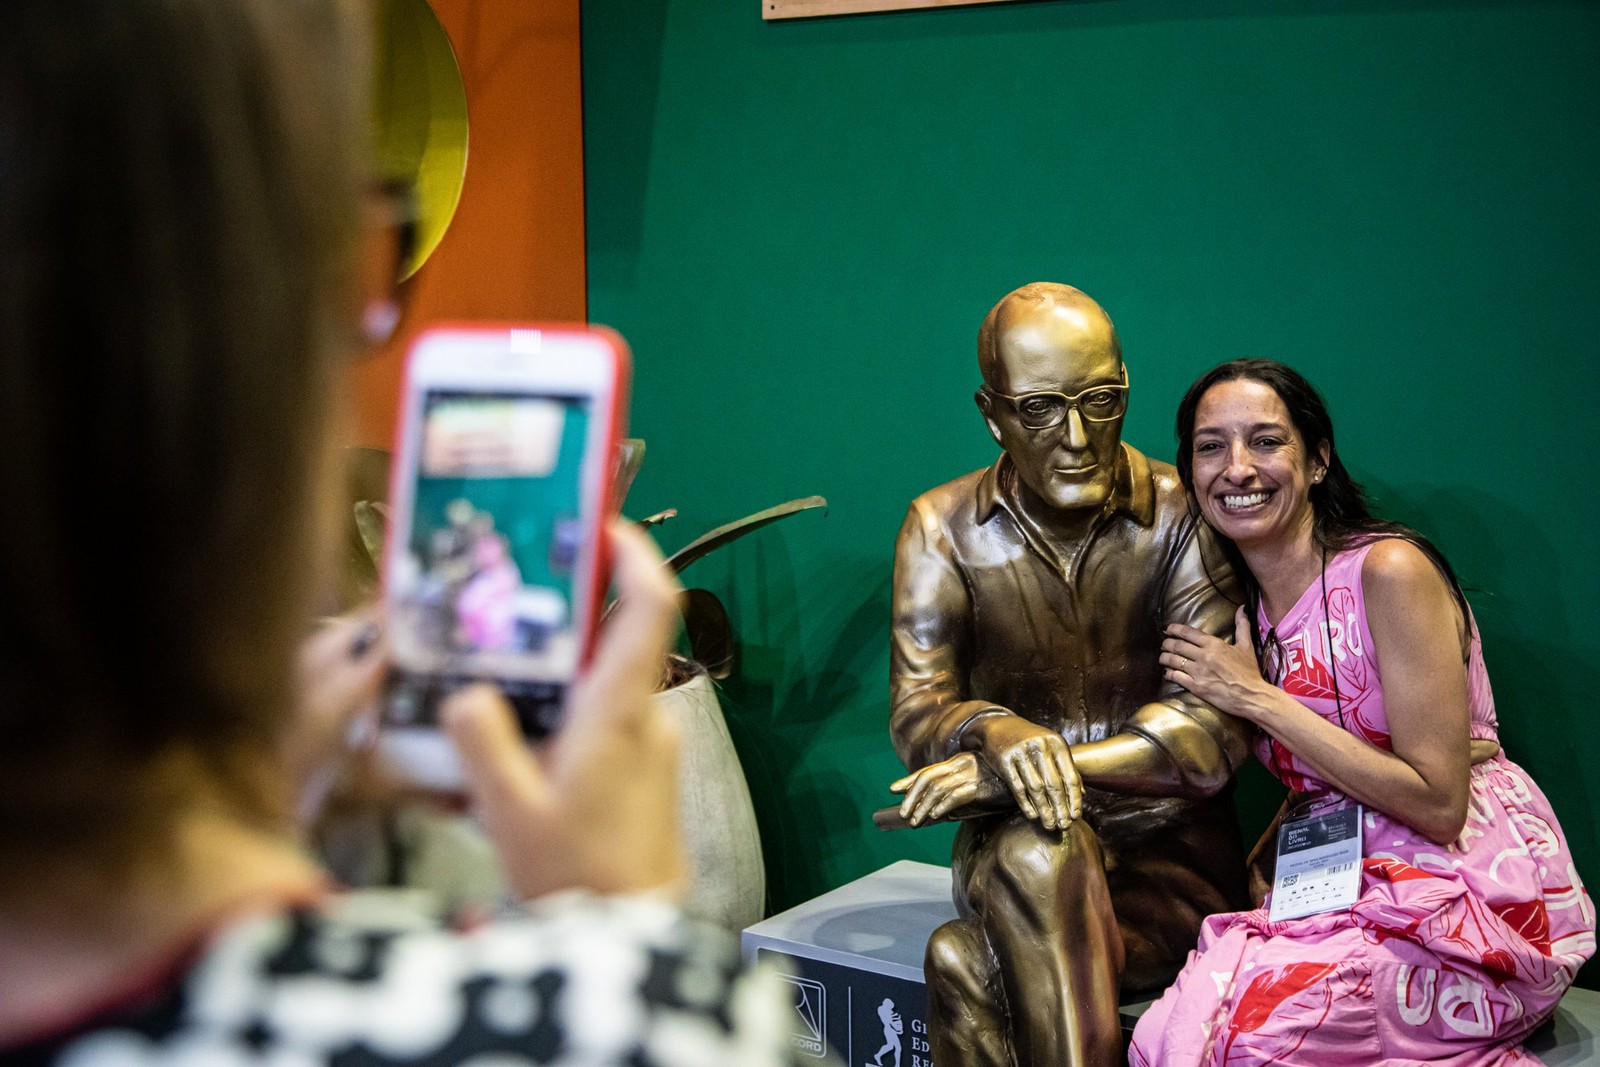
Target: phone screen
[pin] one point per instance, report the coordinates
(484, 586)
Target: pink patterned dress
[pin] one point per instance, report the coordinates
(1451, 955)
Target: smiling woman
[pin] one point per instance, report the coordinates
(1289, 426)
(1357, 658)
(1252, 473)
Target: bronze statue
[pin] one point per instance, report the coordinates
(1029, 605)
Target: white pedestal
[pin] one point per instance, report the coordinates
(848, 951)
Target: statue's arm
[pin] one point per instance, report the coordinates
(930, 637)
(1178, 745)
(961, 752)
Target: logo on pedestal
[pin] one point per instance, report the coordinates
(892, 1029)
(809, 1026)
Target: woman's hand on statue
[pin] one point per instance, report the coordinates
(1222, 673)
(1035, 762)
(596, 807)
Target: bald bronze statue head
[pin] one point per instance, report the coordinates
(1054, 393)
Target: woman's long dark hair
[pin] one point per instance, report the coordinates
(179, 182)
(1341, 518)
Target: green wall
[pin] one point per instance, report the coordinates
(799, 226)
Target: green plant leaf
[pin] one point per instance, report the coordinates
(372, 518)
(630, 457)
(657, 519)
(722, 535)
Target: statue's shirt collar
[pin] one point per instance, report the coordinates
(1133, 497)
(1134, 494)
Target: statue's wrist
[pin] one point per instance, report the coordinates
(972, 736)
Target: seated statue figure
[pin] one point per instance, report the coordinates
(1030, 600)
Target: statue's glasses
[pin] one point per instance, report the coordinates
(1041, 411)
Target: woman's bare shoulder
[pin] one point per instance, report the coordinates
(1396, 567)
(1404, 587)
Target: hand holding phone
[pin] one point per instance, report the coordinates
(495, 565)
(339, 674)
(597, 806)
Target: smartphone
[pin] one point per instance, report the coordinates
(496, 564)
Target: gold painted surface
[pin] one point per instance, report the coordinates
(419, 117)
(1027, 700)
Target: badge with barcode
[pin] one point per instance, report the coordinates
(1319, 864)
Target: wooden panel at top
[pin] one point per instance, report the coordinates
(799, 9)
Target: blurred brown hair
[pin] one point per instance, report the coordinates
(178, 181)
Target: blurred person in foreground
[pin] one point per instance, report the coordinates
(179, 192)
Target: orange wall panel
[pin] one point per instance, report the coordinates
(515, 249)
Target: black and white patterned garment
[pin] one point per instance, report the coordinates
(363, 982)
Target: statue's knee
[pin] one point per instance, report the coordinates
(1081, 840)
(1029, 855)
(956, 954)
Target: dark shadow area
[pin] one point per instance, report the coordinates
(786, 699)
(1257, 795)
(863, 637)
(1567, 1037)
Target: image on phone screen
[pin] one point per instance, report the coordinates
(484, 584)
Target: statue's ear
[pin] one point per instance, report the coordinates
(986, 405)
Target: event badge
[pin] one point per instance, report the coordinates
(1319, 864)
